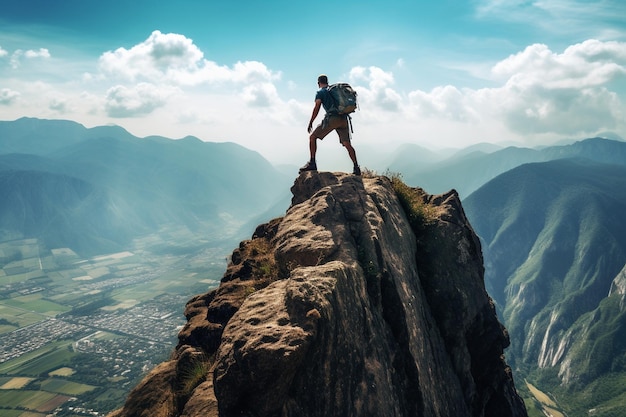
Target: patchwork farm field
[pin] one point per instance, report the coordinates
(27, 399)
(14, 383)
(62, 386)
(81, 333)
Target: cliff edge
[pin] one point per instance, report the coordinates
(348, 305)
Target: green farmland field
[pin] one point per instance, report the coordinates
(62, 386)
(44, 360)
(24, 398)
(36, 304)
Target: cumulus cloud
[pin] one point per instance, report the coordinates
(19, 55)
(41, 53)
(588, 64)
(3, 52)
(378, 92)
(252, 71)
(161, 56)
(8, 96)
(445, 102)
(169, 61)
(260, 95)
(540, 92)
(139, 100)
(547, 92)
(175, 59)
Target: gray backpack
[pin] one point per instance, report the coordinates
(344, 98)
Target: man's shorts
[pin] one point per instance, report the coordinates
(334, 122)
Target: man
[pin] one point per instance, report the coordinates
(331, 122)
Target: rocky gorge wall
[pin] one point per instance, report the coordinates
(342, 308)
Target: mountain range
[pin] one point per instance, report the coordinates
(95, 189)
(468, 169)
(554, 245)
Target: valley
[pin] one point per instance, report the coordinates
(76, 334)
(544, 402)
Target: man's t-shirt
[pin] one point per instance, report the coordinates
(324, 95)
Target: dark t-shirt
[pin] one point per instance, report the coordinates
(324, 95)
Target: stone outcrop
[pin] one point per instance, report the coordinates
(341, 308)
(618, 286)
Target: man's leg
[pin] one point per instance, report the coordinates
(351, 151)
(312, 146)
(348, 145)
(344, 137)
(311, 165)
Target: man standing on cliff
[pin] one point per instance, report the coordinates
(330, 122)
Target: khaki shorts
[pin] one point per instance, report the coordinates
(330, 123)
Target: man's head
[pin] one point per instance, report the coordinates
(322, 80)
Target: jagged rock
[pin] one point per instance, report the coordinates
(340, 308)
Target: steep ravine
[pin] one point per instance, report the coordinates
(341, 308)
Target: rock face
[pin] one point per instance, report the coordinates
(340, 309)
(619, 287)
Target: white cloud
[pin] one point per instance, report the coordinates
(251, 72)
(540, 93)
(139, 100)
(175, 59)
(445, 102)
(41, 53)
(3, 52)
(377, 95)
(548, 92)
(260, 95)
(588, 64)
(159, 57)
(168, 62)
(19, 55)
(8, 96)
(59, 105)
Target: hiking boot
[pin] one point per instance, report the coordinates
(310, 166)
(356, 170)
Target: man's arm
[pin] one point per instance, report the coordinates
(316, 110)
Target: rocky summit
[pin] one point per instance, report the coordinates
(348, 305)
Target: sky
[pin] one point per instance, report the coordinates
(439, 74)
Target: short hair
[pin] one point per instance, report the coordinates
(323, 79)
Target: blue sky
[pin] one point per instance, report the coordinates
(438, 74)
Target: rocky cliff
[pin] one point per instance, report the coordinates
(349, 305)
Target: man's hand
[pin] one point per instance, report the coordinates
(310, 127)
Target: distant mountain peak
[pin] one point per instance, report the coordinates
(139, 185)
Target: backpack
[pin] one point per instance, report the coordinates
(344, 98)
